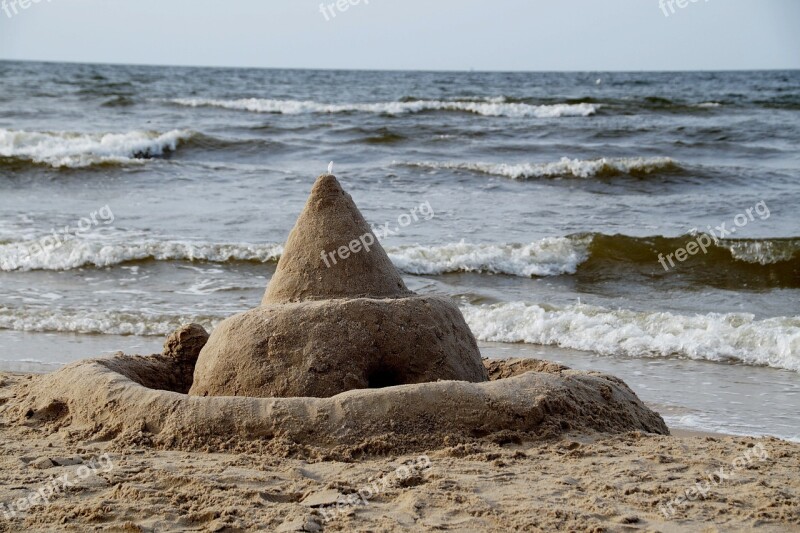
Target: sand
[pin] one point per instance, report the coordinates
(570, 482)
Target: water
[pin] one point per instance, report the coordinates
(134, 199)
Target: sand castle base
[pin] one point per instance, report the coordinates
(126, 397)
(323, 348)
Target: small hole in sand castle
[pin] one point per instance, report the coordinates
(378, 379)
(330, 357)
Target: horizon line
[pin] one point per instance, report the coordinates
(520, 71)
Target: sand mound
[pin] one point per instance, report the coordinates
(332, 324)
(508, 368)
(323, 348)
(128, 398)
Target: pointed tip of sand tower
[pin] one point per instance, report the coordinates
(333, 253)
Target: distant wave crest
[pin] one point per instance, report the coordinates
(565, 168)
(489, 108)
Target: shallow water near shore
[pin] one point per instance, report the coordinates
(554, 196)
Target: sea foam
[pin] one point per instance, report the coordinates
(551, 256)
(738, 337)
(68, 149)
(566, 167)
(719, 337)
(77, 253)
(490, 108)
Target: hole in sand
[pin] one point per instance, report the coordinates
(382, 378)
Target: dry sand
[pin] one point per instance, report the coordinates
(570, 483)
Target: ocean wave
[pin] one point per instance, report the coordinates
(732, 337)
(68, 149)
(494, 108)
(551, 256)
(77, 253)
(731, 263)
(764, 252)
(98, 322)
(565, 168)
(752, 264)
(736, 337)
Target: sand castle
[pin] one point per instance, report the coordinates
(340, 357)
(323, 329)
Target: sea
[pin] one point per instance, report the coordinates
(640, 224)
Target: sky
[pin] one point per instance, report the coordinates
(531, 35)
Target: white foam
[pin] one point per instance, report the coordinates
(78, 252)
(66, 149)
(709, 104)
(489, 108)
(98, 322)
(762, 252)
(576, 168)
(551, 256)
(740, 337)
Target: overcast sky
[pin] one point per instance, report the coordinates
(410, 34)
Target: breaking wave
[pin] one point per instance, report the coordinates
(72, 150)
(737, 337)
(732, 337)
(76, 253)
(489, 108)
(732, 263)
(565, 168)
(98, 322)
(552, 256)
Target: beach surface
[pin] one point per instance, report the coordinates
(627, 482)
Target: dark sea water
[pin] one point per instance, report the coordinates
(134, 199)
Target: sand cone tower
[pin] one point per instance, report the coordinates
(336, 316)
(312, 267)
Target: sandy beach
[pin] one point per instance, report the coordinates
(596, 482)
(347, 402)
(399, 266)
